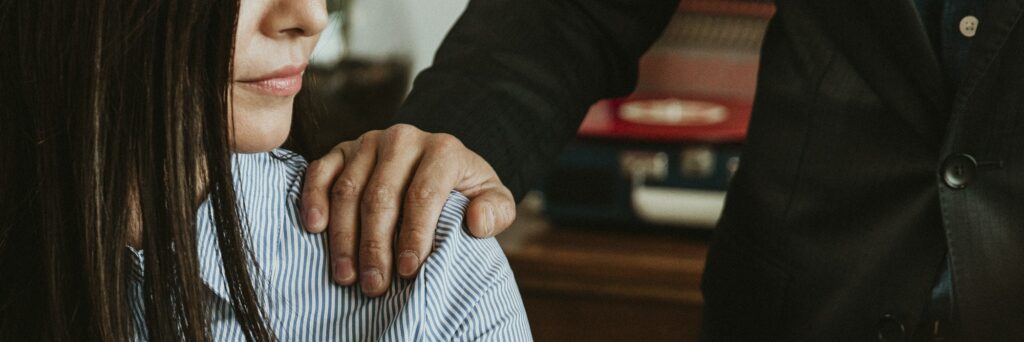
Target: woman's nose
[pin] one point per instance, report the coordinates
(295, 18)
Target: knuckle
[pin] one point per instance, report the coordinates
(421, 194)
(345, 147)
(368, 138)
(344, 248)
(379, 198)
(370, 135)
(398, 136)
(402, 130)
(339, 148)
(367, 147)
(446, 142)
(345, 188)
(372, 251)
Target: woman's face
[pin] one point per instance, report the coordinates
(274, 41)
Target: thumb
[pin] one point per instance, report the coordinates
(491, 211)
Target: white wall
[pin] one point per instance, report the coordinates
(378, 28)
(430, 20)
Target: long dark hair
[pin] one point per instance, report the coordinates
(114, 114)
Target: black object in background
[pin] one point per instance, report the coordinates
(353, 97)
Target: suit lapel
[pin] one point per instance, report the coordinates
(888, 46)
(899, 29)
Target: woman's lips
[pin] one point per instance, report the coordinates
(286, 81)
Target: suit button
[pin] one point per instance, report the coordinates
(969, 26)
(959, 170)
(890, 328)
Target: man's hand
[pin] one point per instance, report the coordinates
(357, 190)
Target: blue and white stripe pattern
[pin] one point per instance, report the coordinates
(464, 292)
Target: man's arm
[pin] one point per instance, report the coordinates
(510, 83)
(513, 78)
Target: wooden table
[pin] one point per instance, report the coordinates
(586, 284)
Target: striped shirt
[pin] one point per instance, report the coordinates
(464, 292)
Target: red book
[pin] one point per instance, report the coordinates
(668, 119)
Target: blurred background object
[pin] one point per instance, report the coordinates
(663, 157)
(614, 246)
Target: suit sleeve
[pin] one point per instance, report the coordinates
(514, 78)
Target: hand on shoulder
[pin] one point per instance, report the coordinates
(358, 190)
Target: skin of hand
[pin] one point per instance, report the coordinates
(358, 190)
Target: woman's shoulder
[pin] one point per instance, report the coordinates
(454, 246)
(470, 283)
(274, 169)
(466, 288)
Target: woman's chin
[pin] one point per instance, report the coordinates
(259, 127)
(246, 142)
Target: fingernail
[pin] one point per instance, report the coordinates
(343, 270)
(313, 218)
(371, 280)
(407, 263)
(489, 225)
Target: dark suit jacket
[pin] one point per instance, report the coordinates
(838, 220)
